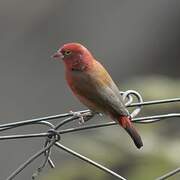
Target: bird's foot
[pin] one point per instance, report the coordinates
(79, 115)
(87, 116)
(83, 117)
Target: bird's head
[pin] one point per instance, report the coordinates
(74, 55)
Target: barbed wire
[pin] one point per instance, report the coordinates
(53, 135)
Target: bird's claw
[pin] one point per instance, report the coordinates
(81, 120)
(79, 115)
(83, 117)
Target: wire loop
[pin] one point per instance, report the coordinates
(54, 133)
(129, 95)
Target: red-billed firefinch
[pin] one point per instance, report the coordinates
(94, 87)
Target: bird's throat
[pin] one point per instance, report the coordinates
(78, 64)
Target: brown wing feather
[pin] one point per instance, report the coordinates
(96, 89)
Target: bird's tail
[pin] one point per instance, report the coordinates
(125, 122)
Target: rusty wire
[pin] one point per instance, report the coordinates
(53, 135)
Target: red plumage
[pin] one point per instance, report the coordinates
(94, 87)
(125, 122)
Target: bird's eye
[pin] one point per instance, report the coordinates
(67, 53)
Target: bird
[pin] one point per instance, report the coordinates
(93, 86)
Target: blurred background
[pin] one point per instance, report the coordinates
(137, 41)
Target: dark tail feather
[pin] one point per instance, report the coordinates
(135, 136)
(125, 122)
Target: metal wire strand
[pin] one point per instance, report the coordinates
(30, 160)
(35, 120)
(89, 161)
(47, 141)
(146, 120)
(170, 174)
(55, 130)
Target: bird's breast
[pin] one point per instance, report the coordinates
(84, 88)
(97, 91)
(77, 81)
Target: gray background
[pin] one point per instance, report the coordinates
(131, 38)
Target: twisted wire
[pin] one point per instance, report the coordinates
(53, 135)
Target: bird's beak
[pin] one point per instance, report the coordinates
(57, 55)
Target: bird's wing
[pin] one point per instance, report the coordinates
(97, 90)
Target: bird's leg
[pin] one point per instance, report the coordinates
(83, 117)
(87, 116)
(78, 115)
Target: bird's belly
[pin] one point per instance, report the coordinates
(90, 104)
(94, 94)
(83, 88)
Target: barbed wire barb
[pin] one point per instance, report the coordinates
(54, 132)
